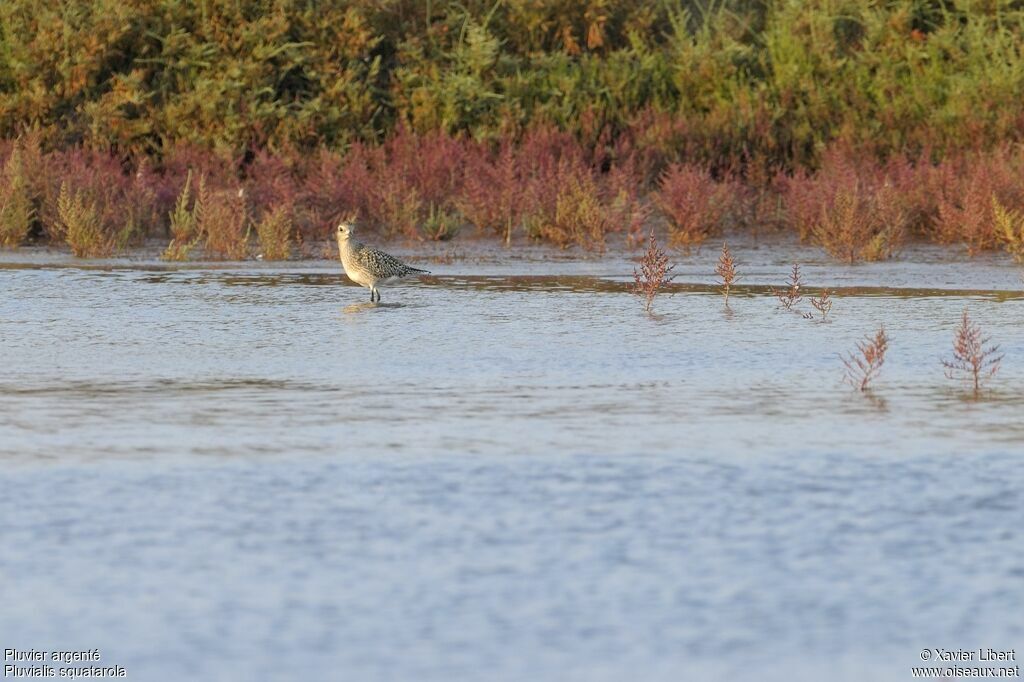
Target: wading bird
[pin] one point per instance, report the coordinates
(367, 266)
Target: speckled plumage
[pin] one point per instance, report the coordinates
(367, 266)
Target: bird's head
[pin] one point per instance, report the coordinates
(345, 229)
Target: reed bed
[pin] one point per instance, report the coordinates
(547, 187)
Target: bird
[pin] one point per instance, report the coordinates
(367, 266)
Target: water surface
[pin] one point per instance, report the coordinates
(506, 471)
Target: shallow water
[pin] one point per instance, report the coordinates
(505, 471)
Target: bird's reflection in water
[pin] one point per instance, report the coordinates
(367, 306)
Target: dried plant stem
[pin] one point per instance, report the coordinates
(975, 359)
(726, 271)
(864, 365)
(791, 294)
(653, 274)
(823, 303)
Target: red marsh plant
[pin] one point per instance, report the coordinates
(863, 365)
(182, 157)
(330, 187)
(624, 202)
(403, 187)
(222, 219)
(273, 180)
(759, 198)
(544, 147)
(965, 210)
(416, 179)
(801, 203)
(491, 197)
(562, 195)
(652, 140)
(95, 182)
(432, 163)
(694, 203)
(975, 359)
(654, 273)
(791, 294)
(398, 207)
(141, 211)
(850, 208)
(919, 184)
(726, 271)
(973, 193)
(823, 303)
(553, 187)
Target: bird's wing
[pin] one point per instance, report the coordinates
(383, 263)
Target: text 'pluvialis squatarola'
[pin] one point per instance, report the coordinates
(367, 266)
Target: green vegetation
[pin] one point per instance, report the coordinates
(80, 223)
(275, 232)
(17, 208)
(856, 123)
(765, 79)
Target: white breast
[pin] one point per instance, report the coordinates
(357, 275)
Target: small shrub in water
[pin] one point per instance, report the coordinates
(823, 303)
(974, 359)
(274, 232)
(791, 294)
(726, 271)
(653, 274)
(863, 366)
